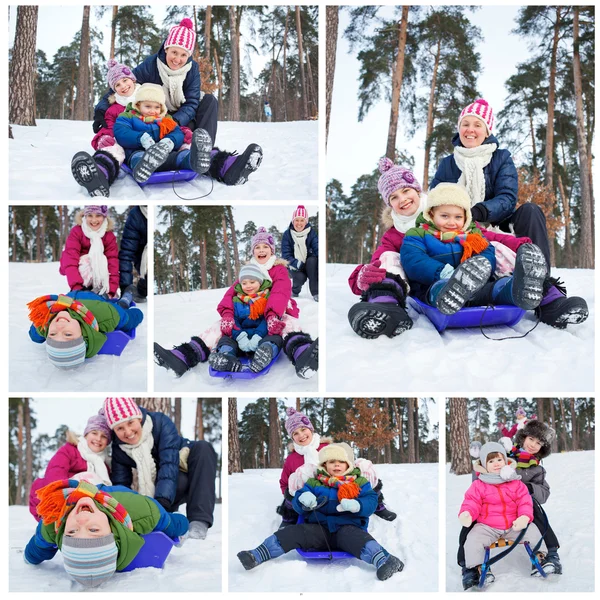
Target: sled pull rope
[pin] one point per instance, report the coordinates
(508, 337)
(315, 511)
(197, 197)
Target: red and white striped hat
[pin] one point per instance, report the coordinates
(480, 109)
(182, 36)
(300, 212)
(119, 410)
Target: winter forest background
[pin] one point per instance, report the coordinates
(421, 65)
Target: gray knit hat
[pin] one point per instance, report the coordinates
(68, 354)
(90, 561)
(251, 271)
(491, 448)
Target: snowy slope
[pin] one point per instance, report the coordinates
(460, 360)
(289, 170)
(180, 316)
(195, 566)
(409, 490)
(572, 520)
(29, 368)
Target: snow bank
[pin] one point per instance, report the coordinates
(409, 490)
(40, 164)
(460, 360)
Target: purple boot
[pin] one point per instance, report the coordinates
(183, 357)
(557, 310)
(232, 169)
(382, 310)
(303, 352)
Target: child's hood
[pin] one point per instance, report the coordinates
(79, 220)
(72, 438)
(280, 261)
(479, 468)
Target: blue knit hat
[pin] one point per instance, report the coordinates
(251, 271)
(66, 355)
(90, 561)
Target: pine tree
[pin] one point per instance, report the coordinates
(332, 16)
(235, 460)
(459, 437)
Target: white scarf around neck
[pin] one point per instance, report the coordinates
(264, 269)
(404, 223)
(125, 100)
(98, 261)
(471, 162)
(299, 237)
(141, 453)
(173, 83)
(96, 461)
(310, 452)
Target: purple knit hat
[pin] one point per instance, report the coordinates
(296, 419)
(92, 209)
(394, 177)
(263, 237)
(98, 423)
(117, 71)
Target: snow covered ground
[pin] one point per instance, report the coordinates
(29, 368)
(572, 519)
(460, 360)
(193, 567)
(410, 490)
(182, 315)
(40, 164)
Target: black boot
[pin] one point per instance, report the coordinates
(288, 515)
(224, 358)
(153, 159)
(247, 559)
(95, 173)
(382, 511)
(232, 169)
(557, 310)
(470, 577)
(183, 357)
(267, 350)
(550, 563)
(389, 567)
(303, 352)
(200, 148)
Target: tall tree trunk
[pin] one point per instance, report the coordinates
(162, 405)
(235, 456)
(533, 148)
(314, 94)
(177, 415)
(13, 257)
(203, 269)
(199, 420)
(410, 425)
(227, 252)
(574, 441)
(553, 421)
(548, 175)
(388, 447)
(399, 426)
(21, 93)
(416, 419)
(274, 435)
(397, 77)
(236, 253)
(38, 250)
(430, 112)
(19, 496)
(29, 449)
(460, 463)
(285, 34)
(301, 63)
(207, 30)
(172, 239)
(332, 17)
(113, 30)
(567, 216)
(82, 99)
(234, 87)
(540, 408)
(219, 76)
(587, 244)
(563, 429)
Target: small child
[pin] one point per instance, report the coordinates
(521, 421)
(98, 528)
(335, 505)
(153, 140)
(88, 454)
(90, 256)
(250, 325)
(450, 264)
(74, 326)
(500, 503)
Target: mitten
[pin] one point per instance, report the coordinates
(146, 140)
(178, 525)
(275, 325)
(76, 287)
(520, 522)
(254, 342)
(99, 121)
(506, 442)
(370, 274)
(479, 212)
(299, 264)
(507, 472)
(243, 341)
(308, 500)
(166, 504)
(348, 505)
(465, 518)
(226, 326)
(105, 141)
(447, 272)
(167, 143)
(475, 449)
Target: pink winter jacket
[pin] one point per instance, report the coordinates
(497, 505)
(292, 462)
(280, 301)
(77, 245)
(110, 116)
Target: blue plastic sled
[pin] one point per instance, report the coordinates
(245, 373)
(117, 340)
(164, 176)
(321, 554)
(153, 553)
(472, 316)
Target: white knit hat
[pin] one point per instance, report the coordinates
(452, 194)
(341, 452)
(151, 92)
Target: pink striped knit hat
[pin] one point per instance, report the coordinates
(182, 36)
(300, 212)
(119, 410)
(482, 110)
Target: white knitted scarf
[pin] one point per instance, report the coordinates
(141, 453)
(404, 223)
(96, 461)
(99, 276)
(264, 269)
(300, 251)
(471, 162)
(173, 83)
(310, 452)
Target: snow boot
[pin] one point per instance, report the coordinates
(303, 352)
(450, 295)
(200, 151)
(382, 511)
(316, 297)
(389, 567)
(382, 310)
(183, 357)
(288, 515)
(224, 357)
(557, 310)
(386, 564)
(470, 577)
(231, 169)
(270, 548)
(267, 350)
(95, 173)
(198, 530)
(152, 160)
(550, 563)
(126, 299)
(528, 277)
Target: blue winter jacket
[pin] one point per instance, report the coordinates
(328, 514)
(501, 181)
(287, 245)
(133, 242)
(165, 452)
(241, 316)
(147, 72)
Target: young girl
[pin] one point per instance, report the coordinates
(86, 454)
(339, 523)
(172, 68)
(521, 421)
(491, 179)
(449, 263)
(170, 468)
(90, 256)
(302, 461)
(281, 312)
(500, 503)
(74, 326)
(98, 528)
